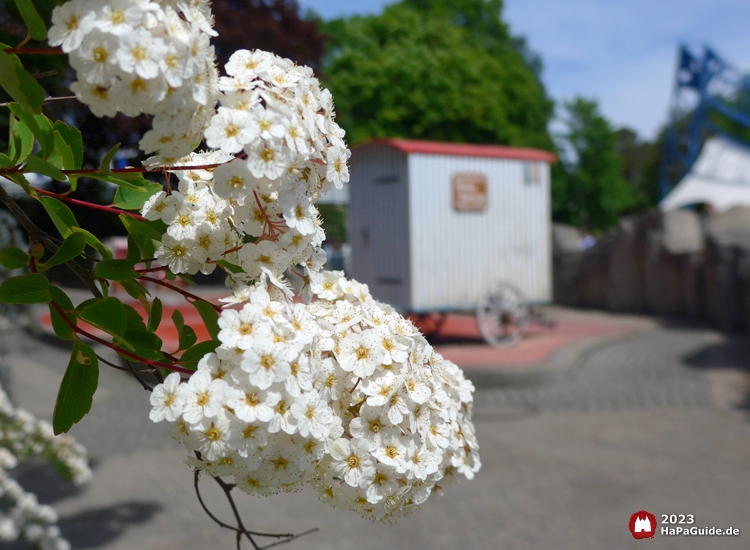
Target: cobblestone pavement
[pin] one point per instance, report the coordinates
(641, 371)
(651, 421)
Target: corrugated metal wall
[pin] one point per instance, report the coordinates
(378, 223)
(457, 255)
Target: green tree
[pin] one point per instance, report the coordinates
(589, 187)
(440, 70)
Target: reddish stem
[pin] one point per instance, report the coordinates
(185, 293)
(38, 51)
(151, 270)
(115, 347)
(110, 209)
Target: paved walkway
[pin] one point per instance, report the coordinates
(653, 417)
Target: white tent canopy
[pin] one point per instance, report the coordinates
(720, 177)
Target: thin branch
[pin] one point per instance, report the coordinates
(291, 538)
(212, 516)
(240, 526)
(110, 209)
(189, 295)
(115, 347)
(240, 529)
(37, 51)
(46, 99)
(83, 274)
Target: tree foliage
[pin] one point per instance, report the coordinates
(440, 70)
(589, 186)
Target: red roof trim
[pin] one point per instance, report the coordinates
(462, 149)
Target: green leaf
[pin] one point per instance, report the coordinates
(190, 358)
(186, 333)
(72, 247)
(178, 320)
(21, 181)
(154, 318)
(19, 84)
(61, 299)
(72, 137)
(144, 343)
(77, 389)
(61, 328)
(134, 289)
(133, 319)
(116, 270)
(40, 166)
(107, 314)
(187, 337)
(144, 233)
(134, 253)
(210, 317)
(22, 140)
(133, 198)
(107, 160)
(230, 266)
(39, 124)
(13, 258)
(93, 241)
(37, 28)
(6, 161)
(66, 157)
(26, 289)
(60, 214)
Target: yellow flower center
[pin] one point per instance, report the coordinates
(100, 55)
(267, 155)
(213, 434)
(252, 399)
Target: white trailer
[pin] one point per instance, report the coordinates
(439, 227)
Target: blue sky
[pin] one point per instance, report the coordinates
(620, 52)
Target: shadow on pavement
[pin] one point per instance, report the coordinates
(733, 353)
(98, 527)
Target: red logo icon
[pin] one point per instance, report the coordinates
(642, 525)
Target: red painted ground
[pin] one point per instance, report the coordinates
(539, 344)
(458, 339)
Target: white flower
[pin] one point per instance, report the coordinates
(392, 450)
(230, 130)
(210, 437)
(251, 404)
(268, 158)
(244, 327)
(203, 397)
(176, 254)
(166, 400)
(266, 363)
(351, 460)
(361, 353)
(70, 23)
(141, 53)
(338, 172)
(312, 415)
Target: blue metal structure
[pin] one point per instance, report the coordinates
(705, 86)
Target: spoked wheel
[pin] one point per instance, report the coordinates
(429, 324)
(502, 315)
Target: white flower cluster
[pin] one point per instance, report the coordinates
(143, 56)
(343, 393)
(256, 211)
(22, 436)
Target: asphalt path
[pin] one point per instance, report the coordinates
(655, 420)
